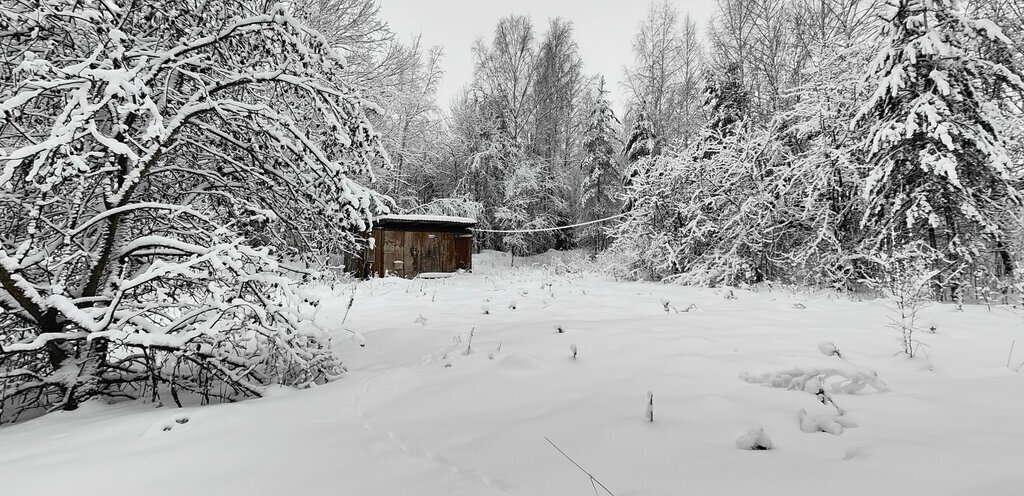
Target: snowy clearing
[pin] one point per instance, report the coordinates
(426, 410)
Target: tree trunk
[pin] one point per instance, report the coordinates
(87, 382)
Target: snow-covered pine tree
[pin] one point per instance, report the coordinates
(727, 103)
(642, 142)
(600, 168)
(939, 169)
(161, 164)
(639, 151)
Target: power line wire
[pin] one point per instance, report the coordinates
(547, 229)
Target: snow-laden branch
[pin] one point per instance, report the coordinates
(158, 170)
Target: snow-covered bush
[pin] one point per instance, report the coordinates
(749, 204)
(737, 211)
(162, 166)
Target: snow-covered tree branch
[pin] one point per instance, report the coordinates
(168, 170)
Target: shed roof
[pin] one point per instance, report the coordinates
(423, 220)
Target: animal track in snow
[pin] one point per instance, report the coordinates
(176, 422)
(414, 449)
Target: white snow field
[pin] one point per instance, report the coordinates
(425, 412)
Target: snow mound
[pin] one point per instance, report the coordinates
(829, 349)
(520, 361)
(831, 423)
(755, 440)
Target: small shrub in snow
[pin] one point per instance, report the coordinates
(421, 320)
(649, 410)
(816, 387)
(909, 279)
(670, 308)
(755, 440)
(559, 329)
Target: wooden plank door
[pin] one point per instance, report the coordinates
(463, 253)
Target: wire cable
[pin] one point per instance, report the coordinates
(547, 229)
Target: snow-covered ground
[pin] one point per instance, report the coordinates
(424, 411)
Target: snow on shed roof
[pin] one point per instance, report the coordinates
(425, 219)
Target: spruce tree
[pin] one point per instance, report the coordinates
(938, 170)
(726, 100)
(642, 141)
(600, 167)
(640, 148)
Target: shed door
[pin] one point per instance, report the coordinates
(463, 252)
(430, 252)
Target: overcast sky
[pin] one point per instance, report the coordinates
(604, 29)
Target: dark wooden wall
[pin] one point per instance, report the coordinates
(421, 251)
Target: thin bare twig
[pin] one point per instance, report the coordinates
(593, 480)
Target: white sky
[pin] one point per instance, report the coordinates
(603, 28)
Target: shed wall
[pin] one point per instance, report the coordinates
(420, 251)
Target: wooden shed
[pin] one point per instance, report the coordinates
(414, 245)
